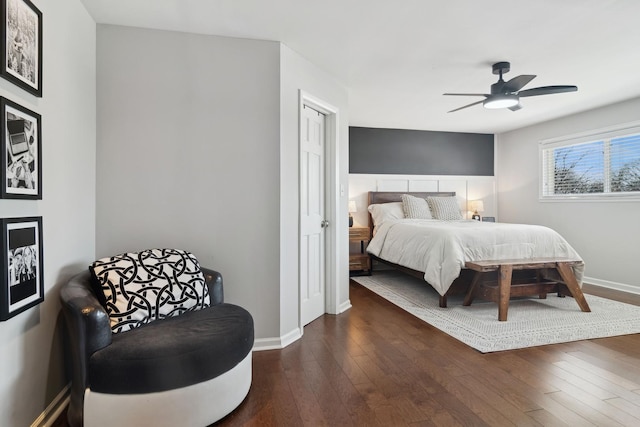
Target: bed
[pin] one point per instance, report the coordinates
(437, 250)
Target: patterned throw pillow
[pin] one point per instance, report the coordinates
(445, 208)
(415, 207)
(153, 284)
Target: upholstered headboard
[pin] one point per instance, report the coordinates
(396, 196)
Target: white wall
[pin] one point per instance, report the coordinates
(299, 74)
(31, 361)
(605, 234)
(189, 156)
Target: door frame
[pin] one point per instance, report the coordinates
(332, 201)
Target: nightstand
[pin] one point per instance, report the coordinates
(359, 261)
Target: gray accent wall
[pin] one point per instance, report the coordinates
(419, 152)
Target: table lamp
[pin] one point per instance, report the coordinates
(352, 209)
(476, 206)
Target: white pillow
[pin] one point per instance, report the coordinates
(415, 207)
(140, 287)
(445, 208)
(385, 211)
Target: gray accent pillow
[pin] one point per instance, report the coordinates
(445, 208)
(415, 207)
(141, 287)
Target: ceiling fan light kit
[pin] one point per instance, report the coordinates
(507, 94)
(500, 101)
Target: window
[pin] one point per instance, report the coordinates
(601, 164)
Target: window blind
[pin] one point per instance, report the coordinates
(608, 163)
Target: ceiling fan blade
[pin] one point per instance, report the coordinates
(467, 94)
(517, 83)
(547, 90)
(516, 107)
(466, 106)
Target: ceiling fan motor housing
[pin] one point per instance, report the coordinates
(501, 67)
(496, 88)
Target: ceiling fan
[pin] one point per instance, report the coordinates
(507, 94)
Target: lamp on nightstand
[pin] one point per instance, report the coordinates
(352, 209)
(476, 206)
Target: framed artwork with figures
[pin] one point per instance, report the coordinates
(20, 152)
(22, 284)
(22, 45)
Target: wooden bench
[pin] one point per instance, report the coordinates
(502, 290)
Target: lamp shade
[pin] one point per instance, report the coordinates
(352, 206)
(476, 205)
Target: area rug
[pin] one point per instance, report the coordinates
(531, 321)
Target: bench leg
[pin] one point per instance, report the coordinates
(572, 284)
(539, 279)
(504, 288)
(468, 299)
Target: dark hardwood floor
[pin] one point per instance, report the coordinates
(376, 365)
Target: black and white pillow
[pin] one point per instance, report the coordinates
(140, 287)
(445, 208)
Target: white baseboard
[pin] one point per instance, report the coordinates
(292, 336)
(344, 306)
(55, 408)
(276, 343)
(622, 287)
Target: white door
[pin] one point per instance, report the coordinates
(312, 215)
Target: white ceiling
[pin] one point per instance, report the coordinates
(397, 57)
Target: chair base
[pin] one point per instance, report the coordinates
(199, 404)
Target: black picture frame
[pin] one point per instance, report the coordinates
(20, 152)
(21, 49)
(22, 262)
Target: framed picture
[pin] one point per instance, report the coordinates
(22, 45)
(489, 218)
(22, 283)
(20, 152)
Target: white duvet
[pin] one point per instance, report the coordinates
(441, 248)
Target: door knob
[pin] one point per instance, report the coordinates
(324, 223)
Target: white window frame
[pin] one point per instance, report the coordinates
(604, 134)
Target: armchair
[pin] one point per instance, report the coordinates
(191, 369)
